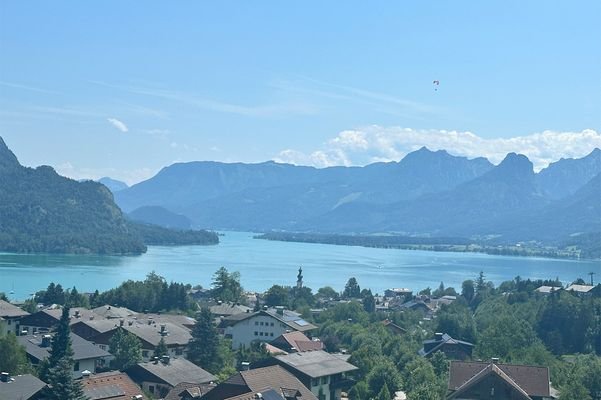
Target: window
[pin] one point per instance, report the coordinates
(271, 334)
(145, 353)
(10, 321)
(324, 380)
(314, 382)
(103, 347)
(179, 351)
(272, 324)
(256, 323)
(76, 366)
(261, 323)
(260, 333)
(151, 389)
(256, 333)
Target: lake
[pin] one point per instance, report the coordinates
(263, 263)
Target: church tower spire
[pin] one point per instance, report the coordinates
(299, 278)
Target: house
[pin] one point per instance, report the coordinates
(150, 333)
(547, 289)
(581, 290)
(112, 385)
(10, 317)
(45, 320)
(452, 348)
(20, 387)
(248, 383)
(494, 381)
(393, 328)
(291, 342)
(189, 391)
(323, 373)
(86, 356)
(416, 305)
(263, 325)
(160, 376)
(114, 312)
(90, 329)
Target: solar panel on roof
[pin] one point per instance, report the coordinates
(301, 322)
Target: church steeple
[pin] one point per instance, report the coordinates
(299, 278)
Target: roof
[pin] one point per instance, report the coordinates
(274, 377)
(8, 310)
(82, 349)
(580, 288)
(316, 364)
(435, 344)
(110, 385)
(21, 387)
(532, 380)
(229, 309)
(547, 289)
(266, 394)
(298, 341)
(290, 318)
(189, 389)
(76, 314)
(101, 325)
(151, 333)
(178, 370)
(111, 312)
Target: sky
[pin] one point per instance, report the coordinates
(123, 89)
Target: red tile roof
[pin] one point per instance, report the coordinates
(111, 385)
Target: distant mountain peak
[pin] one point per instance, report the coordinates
(7, 157)
(517, 162)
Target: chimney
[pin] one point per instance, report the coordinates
(4, 377)
(164, 330)
(121, 322)
(86, 373)
(245, 365)
(91, 317)
(130, 323)
(494, 360)
(258, 396)
(77, 314)
(46, 341)
(165, 360)
(438, 336)
(279, 310)
(155, 360)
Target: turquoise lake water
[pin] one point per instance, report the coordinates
(263, 263)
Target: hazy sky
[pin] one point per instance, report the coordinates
(124, 88)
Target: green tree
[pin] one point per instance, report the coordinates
(439, 363)
(384, 374)
(126, 348)
(75, 299)
(384, 393)
(467, 290)
(369, 302)
(13, 358)
(574, 390)
(277, 296)
(226, 286)
(425, 391)
(351, 289)
(161, 349)
(62, 386)
(360, 391)
(327, 293)
(204, 346)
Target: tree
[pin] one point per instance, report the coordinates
(439, 363)
(13, 358)
(204, 346)
(62, 386)
(277, 296)
(126, 348)
(327, 293)
(360, 391)
(351, 289)
(60, 346)
(425, 391)
(384, 393)
(467, 290)
(226, 286)
(75, 299)
(161, 349)
(369, 302)
(384, 374)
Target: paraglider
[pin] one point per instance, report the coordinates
(436, 84)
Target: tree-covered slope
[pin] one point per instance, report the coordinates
(41, 211)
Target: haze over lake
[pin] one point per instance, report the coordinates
(263, 263)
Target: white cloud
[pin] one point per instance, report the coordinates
(129, 176)
(118, 124)
(376, 143)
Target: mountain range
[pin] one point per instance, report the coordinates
(41, 211)
(427, 193)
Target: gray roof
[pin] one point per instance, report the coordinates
(580, 288)
(151, 333)
(316, 363)
(21, 387)
(11, 311)
(76, 314)
(178, 370)
(229, 309)
(113, 312)
(100, 325)
(82, 349)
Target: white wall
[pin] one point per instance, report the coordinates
(243, 333)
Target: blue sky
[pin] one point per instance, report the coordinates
(124, 88)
